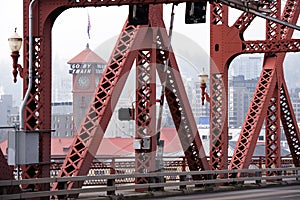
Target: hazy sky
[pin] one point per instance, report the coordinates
(69, 34)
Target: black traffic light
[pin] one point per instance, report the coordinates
(126, 114)
(138, 14)
(195, 12)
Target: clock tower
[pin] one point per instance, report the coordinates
(86, 69)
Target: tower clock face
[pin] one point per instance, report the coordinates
(83, 81)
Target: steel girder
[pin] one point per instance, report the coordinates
(288, 119)
(254, 118)
(218, 88)
(98, 3)
(145, 112)
(37, 112)
(95, 122)
(182, 113)
(271, 102)
(131, 45)
(272, 134)
(38, 107)
(179, 106)
(272, 46)
(289, 124)
(226, 43)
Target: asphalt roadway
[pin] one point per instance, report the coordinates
(270, 193)
(262, 192)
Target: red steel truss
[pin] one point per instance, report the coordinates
(272, 120)
(270, 102)
(93, 126)
(218, 89)
(38, 107)
(145, 112)
(267, 103)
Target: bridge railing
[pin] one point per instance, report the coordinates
(249, 176)
(126, 165)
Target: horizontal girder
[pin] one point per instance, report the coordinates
(273, 46)
(83, 3)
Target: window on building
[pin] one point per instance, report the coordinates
(66, 149)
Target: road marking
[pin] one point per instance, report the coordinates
(289, 196)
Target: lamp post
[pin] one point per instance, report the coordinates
(203, 79)
(15, 43)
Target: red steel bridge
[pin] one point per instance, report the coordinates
(146, 44)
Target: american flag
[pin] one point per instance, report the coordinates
(89, 26)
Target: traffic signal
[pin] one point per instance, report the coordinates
(195, 12)
(126, 114)
(138, 14)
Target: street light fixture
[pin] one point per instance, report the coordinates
(15, 43)
(203, 79)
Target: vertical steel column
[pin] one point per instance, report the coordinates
(272, 137)
(145, 156)
(290, 14)
(218, 88)
(38, 109)
(37, 114)
(145, 114)
(272, 134)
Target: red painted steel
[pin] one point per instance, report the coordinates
(288, 119)
(219, 88)
(289, 124)
(255, 117)
(99, 112)
(6, 173)
(267, 102)
(188, 133)
(183, 118)
(178, 104)
(272, 134)
(38, 107)
(145, 104)
(145, 113)
(272, 46)
(226, 43)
